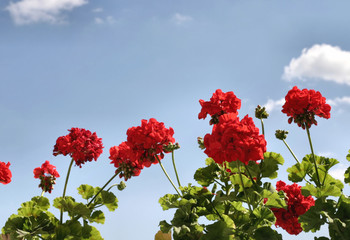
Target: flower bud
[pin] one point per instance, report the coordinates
(281, 134)
(260, 112)
(200, 143)
(121, 186)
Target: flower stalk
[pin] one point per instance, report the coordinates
(166, 174)
(65, 187)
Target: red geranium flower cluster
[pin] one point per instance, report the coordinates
(144, 145)
(302, 106)
(5, 173)
(47, 174)
(80, 144)
(219, 104)
(235, 140)
(297, 205)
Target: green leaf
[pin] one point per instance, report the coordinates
(86, 191)
(164, 226)
(343, 211)
(347, 176)
(206, 176)
(221, 230)
(264, 233)
(236, 180)
(316, 216)
(264, 217)
(348, 156)
(109, 200)
(168, 201)
(42, 203)
(95, 234)
(269, 165)
(98, 217)
(319, 192)
(274, 200)
(298, 171)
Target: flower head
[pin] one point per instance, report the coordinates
(145, 145)
(303, 105)
(235, 140)
(47, 174)
(220, 103)
(5, 173)
(297, 204)
(80, 144)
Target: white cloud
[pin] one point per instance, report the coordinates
(273, 104)
(337, 101)
(106, 20)
(180, 19)
(34, 11)
(97, 10)
(338, 172)
(323, 62)
(326, 154)
(99, 20)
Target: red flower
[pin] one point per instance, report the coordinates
(80, 144)
(144, 145)
(124, 160)
(47, 174)
(5, 173)
(149, 140)
(232, 140)
(297, 205)
(220, 103)
(302, 106)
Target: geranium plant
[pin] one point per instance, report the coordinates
(233, 190)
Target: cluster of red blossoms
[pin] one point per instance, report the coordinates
(219, 104)
(5, 173)
(297, 204)
(302, 106)
(47, 174)
(231, 139)
(145, 145)
(82, 145)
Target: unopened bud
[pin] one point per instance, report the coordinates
(260, 112)
(281, 134)
(200, 143)
(121, 186)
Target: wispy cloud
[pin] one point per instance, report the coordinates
(97, 10)
(338, 101)
(106, 20)
(180, 19)
(35, 11)
(324, 62)
(338, 171)
(274, 104)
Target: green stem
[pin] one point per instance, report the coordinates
(65, 187)
(250, 175)
(177, 176)
(104, 186)
(262, 126)
(166, 174)
(318, 183)
(245, 193)
(290, 150)
(219, 183)
(42, 193)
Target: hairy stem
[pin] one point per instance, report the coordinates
(104, 186)
(166, 174)
(65, 187)
(318, 183)
(177, 176)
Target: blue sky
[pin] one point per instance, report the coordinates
(105, 65)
